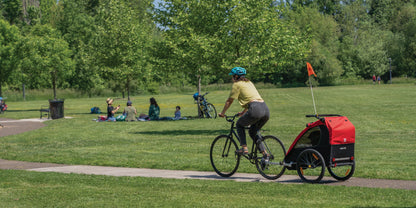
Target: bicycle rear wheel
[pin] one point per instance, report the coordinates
(274, 168)
(223, 156)
(211, 112)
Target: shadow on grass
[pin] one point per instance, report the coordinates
(92, 114)
(184, 132)
(22, 110)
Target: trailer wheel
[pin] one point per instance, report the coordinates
(310, 166)
(342, 173)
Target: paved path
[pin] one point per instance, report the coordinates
(178, 174)
(10, 127)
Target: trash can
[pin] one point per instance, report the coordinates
(56, 108)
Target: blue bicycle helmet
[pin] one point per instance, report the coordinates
(238, 71)
(195, 96)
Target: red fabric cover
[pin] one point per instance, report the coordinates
(341, 130)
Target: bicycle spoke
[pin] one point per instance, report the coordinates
(272, 169)
(310, 166)
(223, 157)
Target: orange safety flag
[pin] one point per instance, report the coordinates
(310, 69)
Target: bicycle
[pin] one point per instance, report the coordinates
(225, 159)
(207, 109)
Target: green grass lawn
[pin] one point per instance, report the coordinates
(32, 189)
(384, 117)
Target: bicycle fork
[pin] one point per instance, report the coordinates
(227, 147)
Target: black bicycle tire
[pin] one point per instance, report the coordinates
(207, 114)
(230, 152)
(273, 159)
(302, 157)
(342, 178)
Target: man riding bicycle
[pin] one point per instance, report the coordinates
(255, 113)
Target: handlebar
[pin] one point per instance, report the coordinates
(204, 94)
(231, 118)
(322, 116)
(201, 98)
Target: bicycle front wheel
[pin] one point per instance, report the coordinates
(211, 112)
(223, 156)
(273, 168)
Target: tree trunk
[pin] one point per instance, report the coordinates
(24, 92)
(200, 114)
(27, 4)
(54, 84)
(128, 89)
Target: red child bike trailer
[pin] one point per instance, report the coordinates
(327, 142)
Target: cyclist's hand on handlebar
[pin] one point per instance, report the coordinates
(221, 115)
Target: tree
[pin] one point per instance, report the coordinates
(329, 7)
(9, 36)
(403, 50)
(76, 24)
(210, 37)
(382, 12)
(48, 10)
(324, 32)
(43, 52)
(12, 10)
(121, 44)
(362, 50)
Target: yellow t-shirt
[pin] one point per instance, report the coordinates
(244, 91)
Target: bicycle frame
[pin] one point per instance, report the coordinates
(206, 109)
(252, 156)
(225, 159)
(203, 102)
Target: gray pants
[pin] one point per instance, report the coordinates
(256, 116)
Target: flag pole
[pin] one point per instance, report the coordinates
(310, 72)
(313, 99)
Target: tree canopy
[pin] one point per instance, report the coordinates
(9, 36)
(132, 45)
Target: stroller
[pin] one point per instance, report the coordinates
(3, 105)
(327, 142)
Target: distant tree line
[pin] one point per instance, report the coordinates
(132, 46)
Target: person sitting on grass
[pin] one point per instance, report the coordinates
(130, 112)
(111, 110)
(178, 113)
(154, 110)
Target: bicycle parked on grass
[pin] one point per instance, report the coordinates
(207, 109)
(225, 159)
